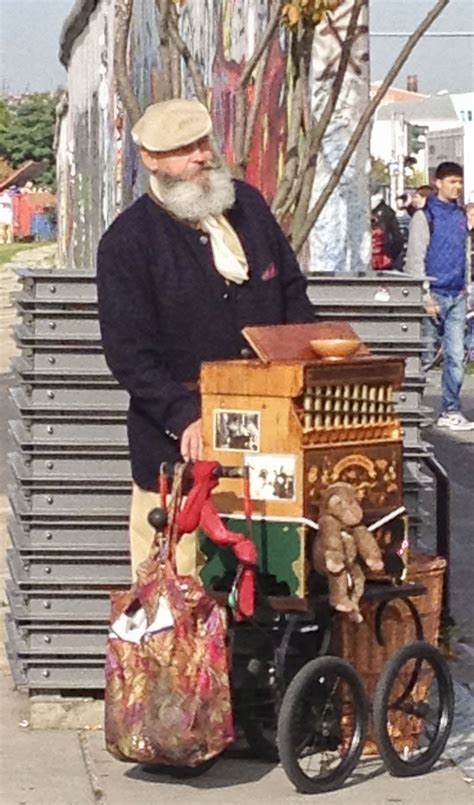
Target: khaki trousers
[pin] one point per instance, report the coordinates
(188, 557)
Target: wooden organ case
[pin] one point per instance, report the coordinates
(299, 424)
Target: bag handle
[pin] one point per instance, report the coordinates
(164, 519)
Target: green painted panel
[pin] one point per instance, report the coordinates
(281, 558)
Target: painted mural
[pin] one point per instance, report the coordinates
(99, 172)
(341, 241)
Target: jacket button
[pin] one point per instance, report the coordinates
(246, 352)
(203, 239)
(225, 295)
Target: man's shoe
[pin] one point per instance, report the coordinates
(454, 420)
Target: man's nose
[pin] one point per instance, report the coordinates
(202, 154)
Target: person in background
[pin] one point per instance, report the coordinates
(420, 197)
(387, 240)
(437, 247)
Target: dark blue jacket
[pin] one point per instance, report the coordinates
(446, 254)
(163, 309)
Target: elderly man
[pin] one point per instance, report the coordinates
(179, 274)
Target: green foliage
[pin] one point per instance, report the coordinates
(416, 179)
(379, 172)
(27, 132)
(8, 250)
(416, 138)
(4, 115)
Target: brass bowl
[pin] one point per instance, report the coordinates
(335, 349)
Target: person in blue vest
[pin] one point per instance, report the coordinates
(180, 273)
(437, 247)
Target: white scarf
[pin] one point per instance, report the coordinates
(229, 256)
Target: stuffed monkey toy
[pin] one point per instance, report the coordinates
(342, 540)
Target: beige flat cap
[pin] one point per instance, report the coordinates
(171, 124)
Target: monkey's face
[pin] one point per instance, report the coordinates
(346, 508)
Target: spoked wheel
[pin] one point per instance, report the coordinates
(413, 709)
(322, 725)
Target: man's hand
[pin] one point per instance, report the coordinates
(191, 441)
(431, 307)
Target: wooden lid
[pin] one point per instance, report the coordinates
(291, 342)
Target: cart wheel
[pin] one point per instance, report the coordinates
(322, 725)
(413, 709)
(258, 714)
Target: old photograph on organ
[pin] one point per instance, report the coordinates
(272, 476)
(236, 430)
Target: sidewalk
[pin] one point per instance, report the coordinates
(71, 766)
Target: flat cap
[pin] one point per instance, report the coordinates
(171, 124)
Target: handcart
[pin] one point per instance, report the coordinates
(298, 703)
(280, 428)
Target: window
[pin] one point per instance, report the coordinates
(469, 116)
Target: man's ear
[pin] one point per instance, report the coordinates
(149, 159)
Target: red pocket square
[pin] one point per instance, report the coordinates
(270, 272)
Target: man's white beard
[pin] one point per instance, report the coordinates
(193, 201)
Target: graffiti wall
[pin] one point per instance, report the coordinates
(99, 172)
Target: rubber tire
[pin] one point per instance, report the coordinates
(316, 668)
(418, 649)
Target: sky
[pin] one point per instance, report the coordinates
(30, 29)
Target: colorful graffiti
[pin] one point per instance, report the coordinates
(99, 168)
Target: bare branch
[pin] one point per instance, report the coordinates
(252, 115)
(123, 16)
(297, 122)
(302, 188)
(241, 136)
(166, 83)
(188, 58)
(267, 36)
(314, 213)
(292, 149)
(319, 130)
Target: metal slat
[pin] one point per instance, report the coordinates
(70, 469)
(27, 371)
(48, 604)
(105, 398)
(68, 360)
(37, 640)
(27, 337)
(95, 431)
(371, 289)
(110, 513)
(43, 570)
(47, 447)
(60, 324)
(45, 674)
(51, 409)
(93, 538)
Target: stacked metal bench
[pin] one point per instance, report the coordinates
(386, 311)
(69, 470)
(70, 487)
